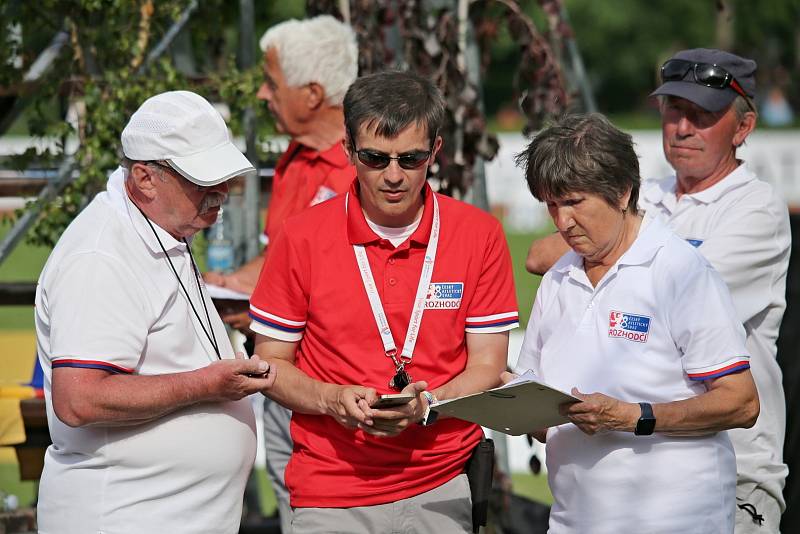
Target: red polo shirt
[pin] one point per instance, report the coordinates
(304, 177)
(314, 294)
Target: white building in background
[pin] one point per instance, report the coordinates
(773, 154)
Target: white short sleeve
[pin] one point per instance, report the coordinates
(749, 248)
(98, 314)
(705, 327)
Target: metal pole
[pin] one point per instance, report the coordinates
(247, 49)
(29, 217)
(577, 66)
(162, 45)
(39, 67)
(480, 196)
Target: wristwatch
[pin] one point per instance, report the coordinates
(430, 415)
(647, 422)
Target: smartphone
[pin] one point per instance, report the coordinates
(394, 399)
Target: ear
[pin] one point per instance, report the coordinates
(437, 144)
(316, 95)
(624, 200)
(743, 129)
(346, 146)
(143, 180)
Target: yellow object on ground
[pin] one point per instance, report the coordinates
(12, 429)
(17, 356)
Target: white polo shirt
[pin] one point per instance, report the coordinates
(742, 228)
(108, 299)
(657, 324)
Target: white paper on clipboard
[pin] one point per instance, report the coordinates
(523, 405)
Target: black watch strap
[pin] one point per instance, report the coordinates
(647, 422)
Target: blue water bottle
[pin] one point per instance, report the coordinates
(220, 245)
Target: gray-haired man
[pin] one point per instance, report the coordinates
(717, 203)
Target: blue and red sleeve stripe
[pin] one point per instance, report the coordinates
(91, 364)
(509, 319)
(276, 322)
(716, 373)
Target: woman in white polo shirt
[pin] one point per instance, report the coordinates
(641, 328)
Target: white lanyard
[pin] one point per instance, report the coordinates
(419, 301)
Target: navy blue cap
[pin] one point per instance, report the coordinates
(710, 98)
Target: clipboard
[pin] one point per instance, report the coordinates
(223, 293)
(519, 407)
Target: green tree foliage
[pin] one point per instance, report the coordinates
(102, 74)
(623, 42)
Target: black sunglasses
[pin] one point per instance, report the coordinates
(704, 74)
(378, 160)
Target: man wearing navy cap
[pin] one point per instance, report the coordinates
(716, 202)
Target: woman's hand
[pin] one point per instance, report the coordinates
(598, 413)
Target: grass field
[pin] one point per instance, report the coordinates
(18, 352)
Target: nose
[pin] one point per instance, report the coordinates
(393, 173)
(264, 92)
(685, 127)
(562, 218)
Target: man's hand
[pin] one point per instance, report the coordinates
(214, 277)
(392, 421)
(598, 413)
(344, 404)
(235, 379)
(238, 320)
(233, 281)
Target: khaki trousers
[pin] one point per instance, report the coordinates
(446, 509)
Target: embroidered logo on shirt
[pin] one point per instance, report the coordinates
(694, 242)
(629, 326)
(444, 295)
(323, 194)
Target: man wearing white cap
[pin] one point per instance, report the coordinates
(145, 397)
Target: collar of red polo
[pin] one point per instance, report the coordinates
(334, 155)
(359, 232)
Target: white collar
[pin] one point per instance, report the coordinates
(664, 192)
(653, 234)
(119, 199)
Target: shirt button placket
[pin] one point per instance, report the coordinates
(389, 274)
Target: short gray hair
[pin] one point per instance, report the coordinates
(741, 106)
(318, 50)
(582, 153)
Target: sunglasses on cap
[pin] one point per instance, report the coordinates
(704, 74)
(379, 160)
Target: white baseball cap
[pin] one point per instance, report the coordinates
(183, 129)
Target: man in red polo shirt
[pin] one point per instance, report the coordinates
(308, 66)
(364, 292)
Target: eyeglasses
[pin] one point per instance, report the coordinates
(379, 160)
(704, 74)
